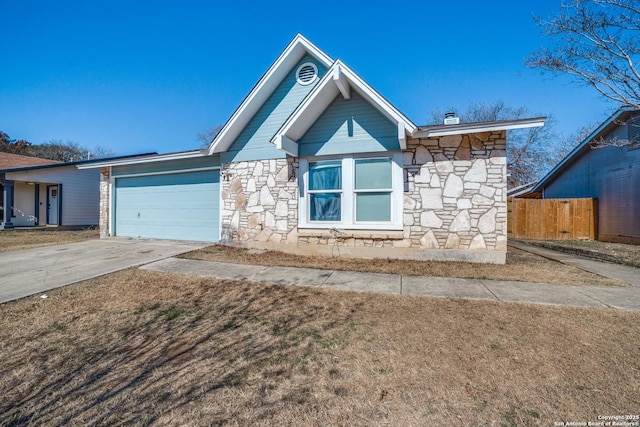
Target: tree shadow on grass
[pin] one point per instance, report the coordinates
(223, 351)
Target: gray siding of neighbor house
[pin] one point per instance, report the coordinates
(612, 175)
(80, 191)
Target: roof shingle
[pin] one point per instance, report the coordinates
(11, 161)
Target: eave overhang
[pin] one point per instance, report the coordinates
(339, 80)
(465, 128)
(146, 159)
(292, 54)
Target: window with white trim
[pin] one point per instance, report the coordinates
(355, 191)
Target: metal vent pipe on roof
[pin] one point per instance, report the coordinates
(450, 118)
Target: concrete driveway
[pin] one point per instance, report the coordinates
(32, 271)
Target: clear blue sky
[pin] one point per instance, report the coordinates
(140, 76)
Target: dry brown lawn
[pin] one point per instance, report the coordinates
(619, 253)
(13, 240)
(520, 266)
(147, 348)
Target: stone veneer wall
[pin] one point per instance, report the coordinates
(458, 198)
(455, 205)
(105, 177)
(259, 201)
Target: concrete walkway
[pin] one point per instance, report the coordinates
(525, 292)
(32, 271)
(623, 273)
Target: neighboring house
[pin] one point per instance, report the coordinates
(11, 161)
(39, 192)
(314, 160)
(610, 174)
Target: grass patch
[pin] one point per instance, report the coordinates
(241, 353)
(520, 266)
(13, 240)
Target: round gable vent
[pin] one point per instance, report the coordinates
(307, 73)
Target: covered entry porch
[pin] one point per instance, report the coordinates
(29, 203)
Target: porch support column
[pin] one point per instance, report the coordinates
(7, 199)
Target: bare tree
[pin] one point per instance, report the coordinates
(8, 145)
(62, 151)
(530, 152)
(614, 140)
(206, 136)
(100, 152)
(597, 42)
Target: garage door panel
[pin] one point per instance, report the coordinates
(183, 206)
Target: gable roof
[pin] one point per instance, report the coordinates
(339, 79)
(296, 50)
(607, 126)
(11, 161)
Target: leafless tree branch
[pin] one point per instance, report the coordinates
(597, 42)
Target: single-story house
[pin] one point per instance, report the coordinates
(11, 161)
(315, 160)
(610, 173)
(39, 192)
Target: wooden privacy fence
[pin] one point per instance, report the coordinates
(552, 219)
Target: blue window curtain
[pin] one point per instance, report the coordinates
(325, 204)
(325, 176)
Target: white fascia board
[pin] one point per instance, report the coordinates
(402, 136)
(341, 83)
(384, 106)
(145, 159)
(309, 109)
(295, 51)
(325, 92)
(288, 146)
(465, 128)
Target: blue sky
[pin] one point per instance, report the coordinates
(142, 76)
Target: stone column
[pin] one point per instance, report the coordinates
(7, 197)
(105, 177)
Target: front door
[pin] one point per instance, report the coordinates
(52, 204)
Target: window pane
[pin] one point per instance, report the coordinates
(325, 175)
(373, 173)
(373, 207)
(324, 206)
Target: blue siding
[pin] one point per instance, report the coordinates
(349, 126)
(181, 206)
(169, 165)
(254, 142)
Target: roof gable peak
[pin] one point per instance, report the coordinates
(295, 50)
(339, 79)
